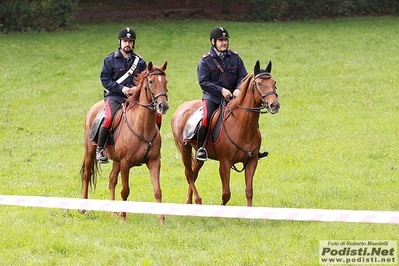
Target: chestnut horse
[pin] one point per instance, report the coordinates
(239, 139)
(138, 141)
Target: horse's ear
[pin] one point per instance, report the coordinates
(149, 66)
(257, 67)
(269, 67)
(163, 67)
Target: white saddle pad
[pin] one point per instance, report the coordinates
(192, 123)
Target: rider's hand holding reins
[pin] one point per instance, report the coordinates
(236, 92)
(128, 91)
(226, 93)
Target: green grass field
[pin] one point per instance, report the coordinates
(333, 145)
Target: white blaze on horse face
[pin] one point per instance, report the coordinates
(160, 78)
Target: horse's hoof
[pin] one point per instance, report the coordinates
(161, 219)
(123, 216)
(82, 211)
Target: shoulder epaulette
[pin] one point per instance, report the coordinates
(138, 55)
(233, 52)
(206, 55)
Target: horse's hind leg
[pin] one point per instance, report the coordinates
(196, 167)
(192, 189)
(186, 152)
(113, 181)
(87, 171)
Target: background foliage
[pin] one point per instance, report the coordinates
(33, 15)
(50, 15)
(314, 9)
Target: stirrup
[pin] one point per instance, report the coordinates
(202, 154)
(100, 157)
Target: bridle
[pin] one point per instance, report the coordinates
(153, 104)
(264, 105)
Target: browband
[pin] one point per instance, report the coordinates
(263, 75)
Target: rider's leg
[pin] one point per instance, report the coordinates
(202, 154)
(159, 120)
(262, 155)
(111, 107)
(102, 139)
(208, 108)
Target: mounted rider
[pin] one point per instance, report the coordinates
(117, 77)
(220, 73)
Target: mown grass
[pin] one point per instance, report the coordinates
(333, 145)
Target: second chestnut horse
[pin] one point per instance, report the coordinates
(239, 139)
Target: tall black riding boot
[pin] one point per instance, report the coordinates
(262, 155)
(202, 154)
(102, 138)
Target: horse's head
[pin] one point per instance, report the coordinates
(155, 86)
(265, 85)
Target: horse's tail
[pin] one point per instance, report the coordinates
(93, 173)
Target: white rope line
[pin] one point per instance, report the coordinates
(266, 213)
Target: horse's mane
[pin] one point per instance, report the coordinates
(244, 86)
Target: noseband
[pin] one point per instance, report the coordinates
(153, 104)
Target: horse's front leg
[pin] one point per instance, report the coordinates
(113, 181)
(124, 170)
(249, 177)
(224, 172)
(155, 168)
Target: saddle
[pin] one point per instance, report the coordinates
(99, 120)
(194, 123)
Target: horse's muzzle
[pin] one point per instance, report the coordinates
(163, 107)
(274, 107)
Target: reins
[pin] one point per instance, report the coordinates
(152, 107)
(248, 153)
(153, 104)
(149, 142)
(224, 110)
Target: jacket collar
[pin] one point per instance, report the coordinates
(118, 53)
(216, 53)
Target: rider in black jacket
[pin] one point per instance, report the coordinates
(117, 85)
(220, 73)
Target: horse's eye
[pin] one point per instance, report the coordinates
(259, 83)
(150, 81)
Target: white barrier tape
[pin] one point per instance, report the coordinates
(356, 216)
